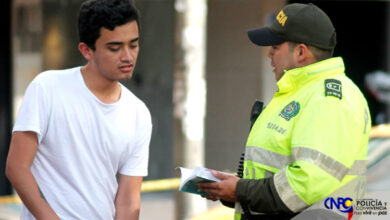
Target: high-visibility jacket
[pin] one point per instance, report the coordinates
(312, 137)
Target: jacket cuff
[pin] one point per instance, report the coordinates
(260, 196)
(242, 190)
(227, 204)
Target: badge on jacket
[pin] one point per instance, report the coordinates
(333, 88)
(290, 110)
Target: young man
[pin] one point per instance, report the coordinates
(312, 137)
(78, 128)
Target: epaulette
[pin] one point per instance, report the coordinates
(333, 87)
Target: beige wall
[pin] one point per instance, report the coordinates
(237, 74)
(27, 32)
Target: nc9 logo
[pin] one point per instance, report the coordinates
(342, 204)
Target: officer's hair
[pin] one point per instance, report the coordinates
(318, 53)
(97, 14)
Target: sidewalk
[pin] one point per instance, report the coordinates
(154, 205)
(158, 205)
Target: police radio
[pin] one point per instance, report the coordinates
(257, 108)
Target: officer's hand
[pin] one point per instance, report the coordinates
(225, 190)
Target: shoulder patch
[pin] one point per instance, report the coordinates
(333, 88)
(290, 110)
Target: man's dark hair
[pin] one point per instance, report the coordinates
(318, 53)
(97, 14)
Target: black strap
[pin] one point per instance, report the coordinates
(240, 174)
(257, 108)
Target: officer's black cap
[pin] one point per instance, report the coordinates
(301, 23)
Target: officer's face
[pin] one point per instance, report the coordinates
(281, 59)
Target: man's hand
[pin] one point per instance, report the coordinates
(225, 190)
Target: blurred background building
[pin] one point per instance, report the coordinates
(230, 72)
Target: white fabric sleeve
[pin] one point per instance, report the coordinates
(34, 110)
(136, 163)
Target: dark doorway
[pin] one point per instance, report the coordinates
(361, 28)
(5, 94)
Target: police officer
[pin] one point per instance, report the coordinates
(312, 137)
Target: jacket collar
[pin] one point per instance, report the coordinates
(296, 78)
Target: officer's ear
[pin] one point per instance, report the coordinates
(303, 55)
(302, 50)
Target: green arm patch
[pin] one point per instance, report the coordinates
(290, 110)
(333, 88)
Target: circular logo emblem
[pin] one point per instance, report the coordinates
(290, 110)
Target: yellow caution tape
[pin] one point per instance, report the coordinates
(160, 185)
(9, 199)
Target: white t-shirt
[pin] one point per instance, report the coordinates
(83, 143)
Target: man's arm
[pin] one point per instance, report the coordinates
(128, 197)
(23, 148)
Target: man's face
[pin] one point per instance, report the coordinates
(116, 51)
(281, 59)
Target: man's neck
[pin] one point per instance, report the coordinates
(104, 89)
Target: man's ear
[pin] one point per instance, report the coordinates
(303, 54)
(86, 51)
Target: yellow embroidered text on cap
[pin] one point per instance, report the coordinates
(282, 18)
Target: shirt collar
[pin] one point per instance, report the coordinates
(295, 78)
